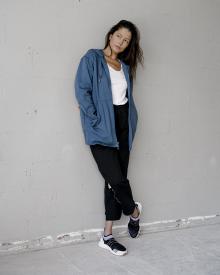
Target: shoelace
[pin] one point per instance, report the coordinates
(111, 242)
(135, 223)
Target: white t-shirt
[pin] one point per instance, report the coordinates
(119, 86)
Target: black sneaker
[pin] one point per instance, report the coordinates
(113, 246)
(133, 226)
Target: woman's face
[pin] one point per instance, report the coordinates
(120, 40)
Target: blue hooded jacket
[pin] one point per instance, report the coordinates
(94, 95)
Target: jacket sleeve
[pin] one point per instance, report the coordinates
(83, 89)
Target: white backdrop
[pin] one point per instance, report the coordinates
(49, 182)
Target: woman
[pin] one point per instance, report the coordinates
(103, 88)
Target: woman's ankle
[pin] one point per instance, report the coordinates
(107, 232)
(136, 213)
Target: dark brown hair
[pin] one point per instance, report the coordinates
(133, 54)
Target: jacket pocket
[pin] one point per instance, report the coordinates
(94, 121)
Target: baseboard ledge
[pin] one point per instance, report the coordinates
(46, 242)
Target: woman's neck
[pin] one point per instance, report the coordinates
(110, 54)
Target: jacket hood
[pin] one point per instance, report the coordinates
(101, 54)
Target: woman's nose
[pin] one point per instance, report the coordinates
(121, 42)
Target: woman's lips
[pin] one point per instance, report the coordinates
(118, 47)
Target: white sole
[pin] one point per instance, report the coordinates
(103, 245)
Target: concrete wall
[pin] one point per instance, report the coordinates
(49, 182)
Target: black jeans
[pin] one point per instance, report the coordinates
(113, 165)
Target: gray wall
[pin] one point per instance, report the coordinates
(49, 182)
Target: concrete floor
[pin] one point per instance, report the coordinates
(187, 251)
